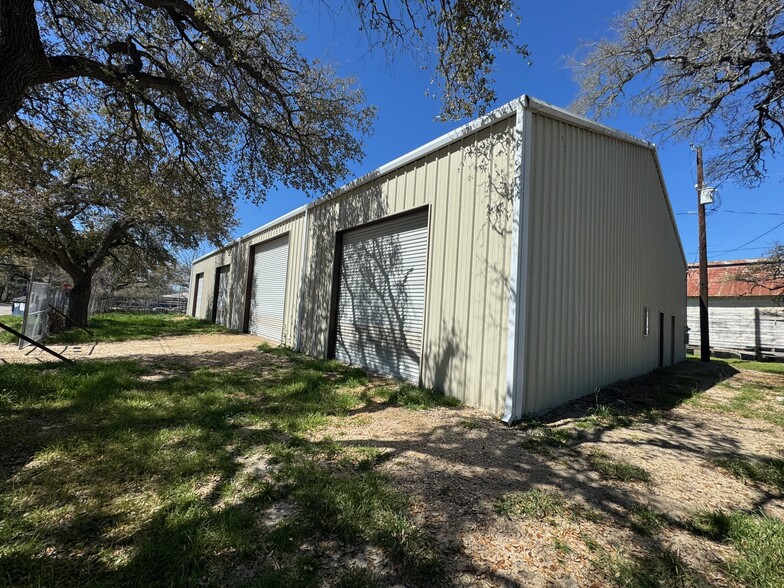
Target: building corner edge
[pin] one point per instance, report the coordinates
(518, 268)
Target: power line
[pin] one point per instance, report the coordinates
(736, 212)
(739, 247)
(752, 212)
(713, 252)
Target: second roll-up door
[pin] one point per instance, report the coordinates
(268, 289)
(381, 296)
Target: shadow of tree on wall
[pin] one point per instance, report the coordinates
(319, 295)
(238, 282)
(381, 300)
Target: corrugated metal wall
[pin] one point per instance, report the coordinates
(269, 286)
(468, 189)
(602, 246)
(237, 255)
(737, 323)
(381, 302)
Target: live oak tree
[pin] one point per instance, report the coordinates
(766, 276)
(222, 84)
(130, 274)
(709, 72)
(80, 211)
(136, 123)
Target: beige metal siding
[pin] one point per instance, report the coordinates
(238, 254)
(602, 246)
(467, 187)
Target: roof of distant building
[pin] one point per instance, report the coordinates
(723, 280)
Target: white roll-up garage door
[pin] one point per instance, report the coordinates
(222, 295)
(268, 290)
(381, 299)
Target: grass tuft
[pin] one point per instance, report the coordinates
(614, 469)
(534, 504)
(606, 416)
(758, 540)
(544, 439)
(417, 398)
(662, 568)
(766, 471)
(358, 578)
(646, 521)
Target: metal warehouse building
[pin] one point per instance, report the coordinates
(519, 262)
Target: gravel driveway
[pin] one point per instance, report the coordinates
(191, 346)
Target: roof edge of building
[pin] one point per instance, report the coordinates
(580, 121)
(474, 126)
(289, 215)
(503, 112)
(733, 263)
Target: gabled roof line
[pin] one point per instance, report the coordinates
(497, 115)
(580, 121)
(261, 229)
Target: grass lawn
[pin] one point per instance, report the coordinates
(118, 474)
(115, 475)
(15, 322)
(116, 326)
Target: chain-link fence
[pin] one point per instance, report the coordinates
(41, 316)
(45, 305)
(174, 304)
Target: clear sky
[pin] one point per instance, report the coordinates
(552, 31)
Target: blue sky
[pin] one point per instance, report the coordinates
(552, 31)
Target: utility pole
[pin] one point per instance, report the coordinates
(704, 334)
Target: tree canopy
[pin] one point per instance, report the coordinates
(223, 84)
(78, 210)
(708, 72)
(766, 275)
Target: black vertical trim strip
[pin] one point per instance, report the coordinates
(332, 333)
(215, 295)
(249, 287)
(197, 293)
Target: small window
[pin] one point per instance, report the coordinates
(646, 321)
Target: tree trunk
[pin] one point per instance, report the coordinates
(78, 302)
(22, 56)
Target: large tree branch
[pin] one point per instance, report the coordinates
(62, 67)
(21, 53)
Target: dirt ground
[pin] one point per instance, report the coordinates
(458, 468)
(457, 463)
(189, 346)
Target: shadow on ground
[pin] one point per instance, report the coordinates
(165, 471)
